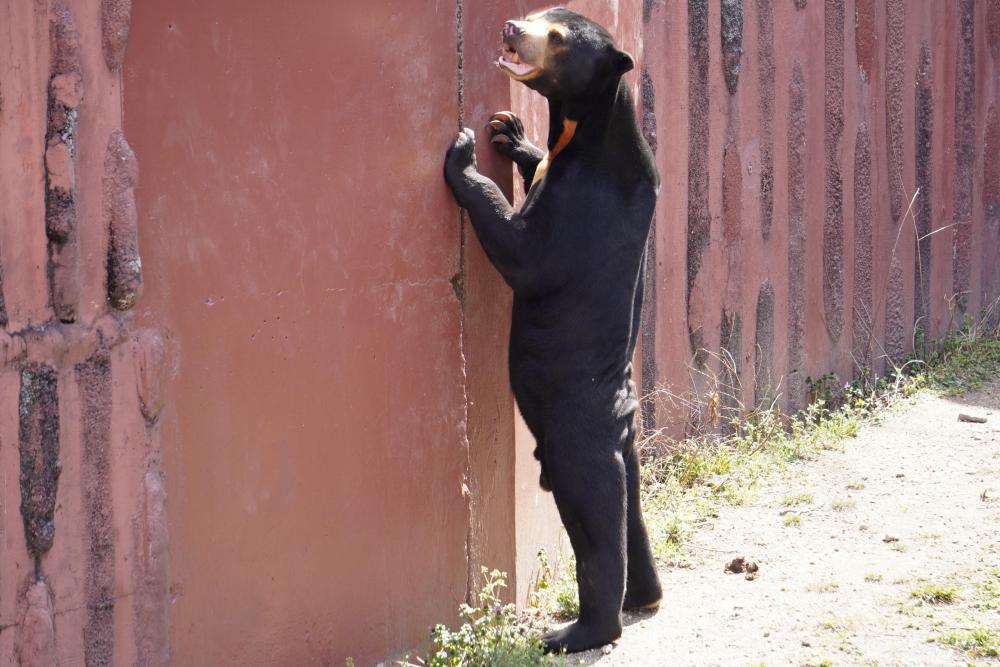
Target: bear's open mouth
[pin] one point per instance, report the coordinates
(511, 61)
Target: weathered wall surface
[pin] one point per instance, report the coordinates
(793, 136)
(83, 543)
(320, 348)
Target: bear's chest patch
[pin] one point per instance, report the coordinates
(569, 129)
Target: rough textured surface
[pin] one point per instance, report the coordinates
(647, 342)
(699, 220)
(923, 208)
(833, 225)
(38, 411)
(94, 379)
(895, 18)
(732, 42)
(731, 354)
(863, 315)
(993, 27)
(764, 388)
(865, 38)
(765, 107)
(116, 17)
(895, 326)
(65, 96)
(121, 171)
(796, 239)
(965, 154)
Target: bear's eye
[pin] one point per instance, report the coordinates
(556, 38)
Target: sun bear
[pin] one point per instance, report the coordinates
(574, 256)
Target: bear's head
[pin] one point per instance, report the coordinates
(561, 54)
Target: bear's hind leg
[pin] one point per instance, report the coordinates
(589, 490)
(642, 587)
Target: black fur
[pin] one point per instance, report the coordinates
(574, 256)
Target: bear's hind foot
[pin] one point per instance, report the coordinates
(578, 636)
(644, 598)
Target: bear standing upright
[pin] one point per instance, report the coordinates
(574, 257)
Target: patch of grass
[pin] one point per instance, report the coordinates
(843, 504)
(556, 596)
(963, 360)
(792, 520)
(900, 547)
(935, 594)
(492, 635)
(729, 449)
(873, 577)
(928, 536)
(793, 499)
(837, 624)
(977, 642)
(988, 592)
(828, 587)
(825, 662)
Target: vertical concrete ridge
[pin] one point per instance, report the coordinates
(965, 153)
(765, 105)
(154, 365)
(991, 165)
(94, 379)
(649, 371)
(796, 238)
(833, 226)
(764, 344)
(116, 18)
(699, 220)
(65, 97)
(923, 209)
(895, 19)
(38, 432)
(35, 645)
(732, 42)
(895, 332)
(121, 172)
(993, 28)
(991, 210)
(3, 303)
(863, 315)
(865, 38)
(730, 350)
(151, 573)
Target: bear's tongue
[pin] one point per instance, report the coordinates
(511, 61)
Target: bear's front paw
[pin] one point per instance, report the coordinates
(461, 155)
(506, 132)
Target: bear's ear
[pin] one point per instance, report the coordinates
(623, 62)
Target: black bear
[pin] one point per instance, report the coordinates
(574, 257)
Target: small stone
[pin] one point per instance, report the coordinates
(606, 649)
(806, 643)
(890, 538)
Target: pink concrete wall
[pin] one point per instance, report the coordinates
(83, 543)
(791, 139)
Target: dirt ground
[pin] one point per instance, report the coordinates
(901, 508)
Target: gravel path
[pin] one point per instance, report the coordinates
(901, 507)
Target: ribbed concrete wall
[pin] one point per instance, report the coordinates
(799, 133)
(83, 541)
